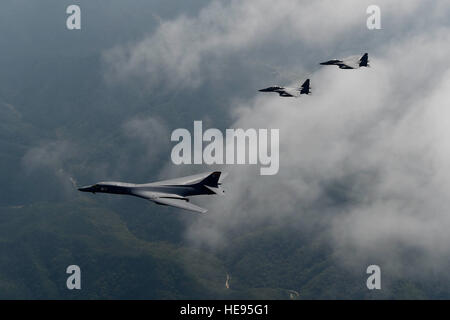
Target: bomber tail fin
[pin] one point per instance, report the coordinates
(214, 181)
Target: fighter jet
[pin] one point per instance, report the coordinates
(290, 92)
(172, 192)
(353, 62)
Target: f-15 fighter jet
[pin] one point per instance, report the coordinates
(290, 92)
(169, 192)
(353, 62)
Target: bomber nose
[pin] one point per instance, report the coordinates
(85, 189)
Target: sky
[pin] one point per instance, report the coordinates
(363, 160)
(365, 157)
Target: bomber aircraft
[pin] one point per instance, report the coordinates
(172, 192)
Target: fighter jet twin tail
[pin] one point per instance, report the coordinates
(353, 62)
(175, 192)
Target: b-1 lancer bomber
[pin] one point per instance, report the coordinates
(353, 62)
(172, 192)
(290, 92)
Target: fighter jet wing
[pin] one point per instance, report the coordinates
(290, 92)
(179, 203)
(351, 62)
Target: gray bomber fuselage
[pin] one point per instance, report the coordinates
(174, 192)
(137, 189)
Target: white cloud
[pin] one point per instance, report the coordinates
(186, 51)
(48, 154)
(51, 155)
(377, 136)
(380, 134)
(151, 132)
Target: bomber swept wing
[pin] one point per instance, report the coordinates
(179, 203)
(168, 199)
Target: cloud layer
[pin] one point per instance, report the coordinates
(365, 157)
(189, 50)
